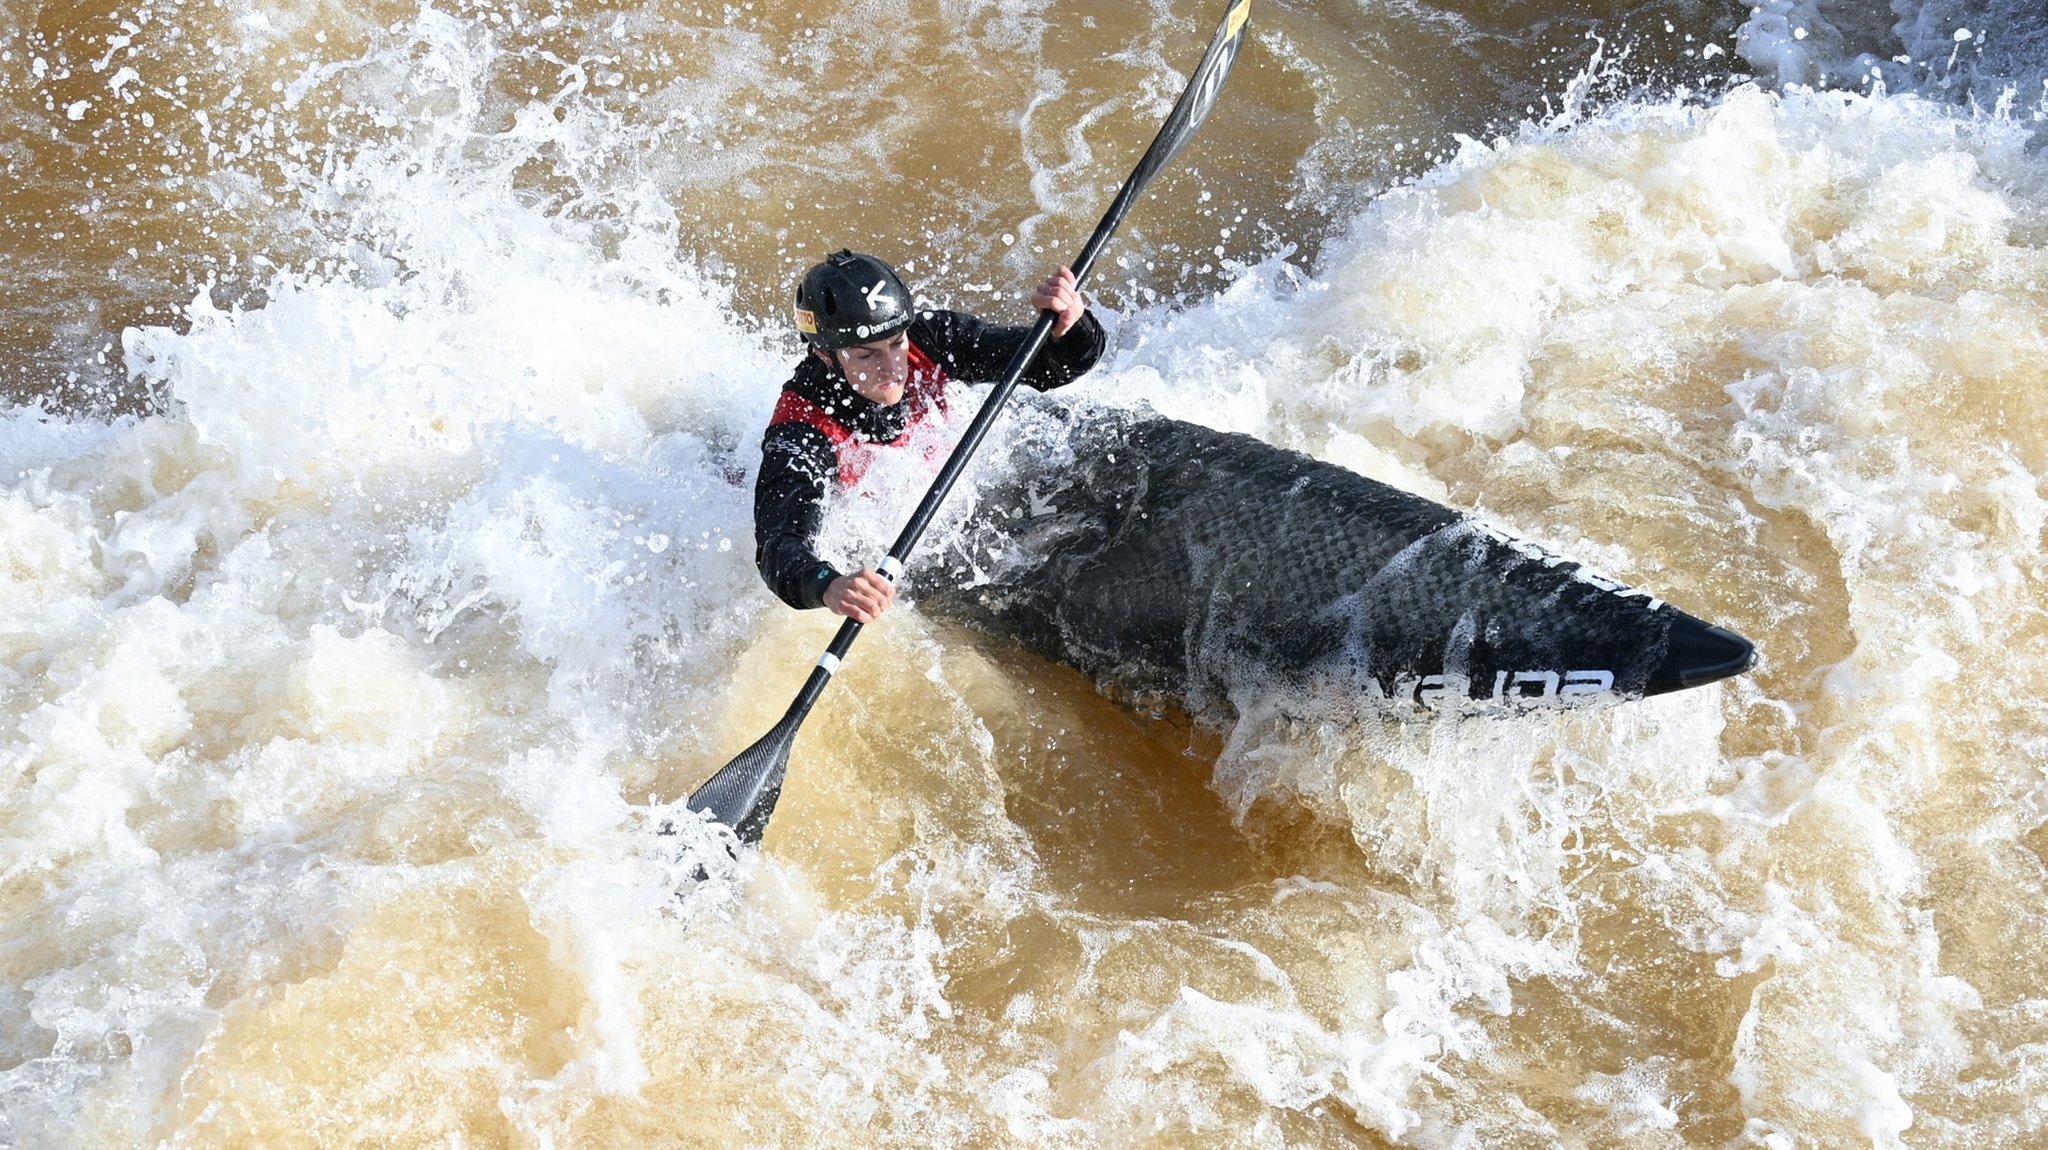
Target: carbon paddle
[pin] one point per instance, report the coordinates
(742, 794)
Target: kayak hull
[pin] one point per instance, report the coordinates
(1166, 558)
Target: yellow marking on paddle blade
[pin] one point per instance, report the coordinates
(1238, 16)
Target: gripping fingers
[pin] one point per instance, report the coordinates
(861, 597)
(1059, 295)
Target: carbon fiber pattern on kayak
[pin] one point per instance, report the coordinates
(1172, 558)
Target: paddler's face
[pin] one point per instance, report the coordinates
(878, 370)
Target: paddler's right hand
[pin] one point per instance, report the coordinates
(861, 596)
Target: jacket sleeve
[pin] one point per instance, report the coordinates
(797, 462)
(977, 352)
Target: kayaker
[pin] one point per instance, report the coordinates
(877, 368)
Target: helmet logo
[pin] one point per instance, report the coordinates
(878, 298)
(806, 321)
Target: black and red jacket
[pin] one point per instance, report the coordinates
(823, 433)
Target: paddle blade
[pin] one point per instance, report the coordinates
(742, 794)
(1204, 85)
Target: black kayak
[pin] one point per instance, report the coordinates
(1166, 558)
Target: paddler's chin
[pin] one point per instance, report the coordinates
(887, 393)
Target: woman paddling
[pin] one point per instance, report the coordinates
(876, 370)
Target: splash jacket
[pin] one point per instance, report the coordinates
(823, 432)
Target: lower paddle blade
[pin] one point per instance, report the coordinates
(742, 794)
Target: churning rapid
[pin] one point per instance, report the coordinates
(385, 383)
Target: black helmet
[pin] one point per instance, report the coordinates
(850, 299)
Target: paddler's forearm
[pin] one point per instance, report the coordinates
(794, 572)
(789, 507)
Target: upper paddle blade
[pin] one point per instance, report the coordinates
(1205, 83)
(742, 794)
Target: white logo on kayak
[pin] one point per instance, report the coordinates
(1530, 688)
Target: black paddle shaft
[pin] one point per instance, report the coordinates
(742, 794)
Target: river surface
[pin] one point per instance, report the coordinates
(383, 385)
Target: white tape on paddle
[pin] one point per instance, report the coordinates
(830, 662)
(890, 568)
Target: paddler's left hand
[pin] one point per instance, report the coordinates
(1060, 295)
